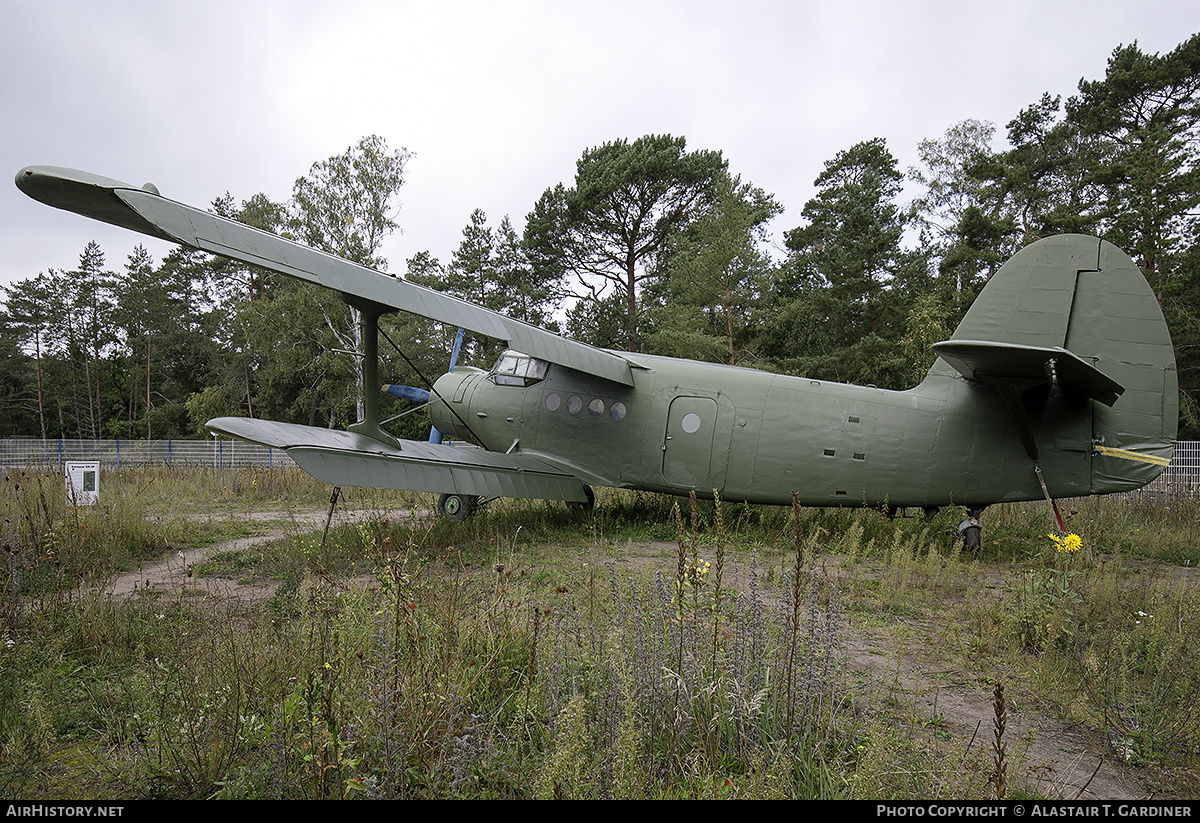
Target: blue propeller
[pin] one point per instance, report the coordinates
(417, 395)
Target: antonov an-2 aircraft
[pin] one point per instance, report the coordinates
(1059, 382)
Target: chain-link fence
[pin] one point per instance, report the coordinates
(220, 453)
(1182, 477)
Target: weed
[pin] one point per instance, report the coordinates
(524, 653)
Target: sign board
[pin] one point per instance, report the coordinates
(83, 482)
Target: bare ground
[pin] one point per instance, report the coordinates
(1058, 760)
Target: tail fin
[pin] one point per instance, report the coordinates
(1073, 316)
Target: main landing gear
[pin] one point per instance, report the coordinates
(587, 505)
(457, 507)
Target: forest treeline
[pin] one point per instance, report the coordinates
(652, 247)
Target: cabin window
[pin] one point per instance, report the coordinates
(617, 412)
(596, 407)
(516, 369)
(553, 401)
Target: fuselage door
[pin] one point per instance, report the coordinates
(688, 442)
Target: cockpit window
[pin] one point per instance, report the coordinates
(516, 369)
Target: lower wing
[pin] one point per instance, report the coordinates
(348, 459)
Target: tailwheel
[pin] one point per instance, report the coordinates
(587, 505)
(969, 530)
(456, 507)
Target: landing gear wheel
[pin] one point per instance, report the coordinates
(456, 507)
(969, 530)
(585, 506)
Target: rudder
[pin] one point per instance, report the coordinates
(1116, 319)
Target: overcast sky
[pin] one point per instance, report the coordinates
(497, 99)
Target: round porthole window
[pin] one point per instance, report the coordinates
(596, 407)
(617, 412)
(553, 401)
(690, 422)
(574, 404)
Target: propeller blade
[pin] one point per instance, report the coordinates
(435, 436)
(407, 393)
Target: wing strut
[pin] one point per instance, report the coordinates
(369, 314)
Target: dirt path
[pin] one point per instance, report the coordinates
(173, 573)
(1061, 761)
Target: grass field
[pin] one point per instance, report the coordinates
(652, 648)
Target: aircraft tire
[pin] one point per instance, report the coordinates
(586, 506)
(970, 532)
(456, 507)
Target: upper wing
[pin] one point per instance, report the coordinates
(348, 459)
(144, 210)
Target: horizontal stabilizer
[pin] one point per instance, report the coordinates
(988, 360)
(348, 459)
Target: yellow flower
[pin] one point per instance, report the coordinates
(1070, 543)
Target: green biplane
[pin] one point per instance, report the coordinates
(1059, 382)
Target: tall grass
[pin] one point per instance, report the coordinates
(51, 546)
(520, 654)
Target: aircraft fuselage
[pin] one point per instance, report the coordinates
(755, 436)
